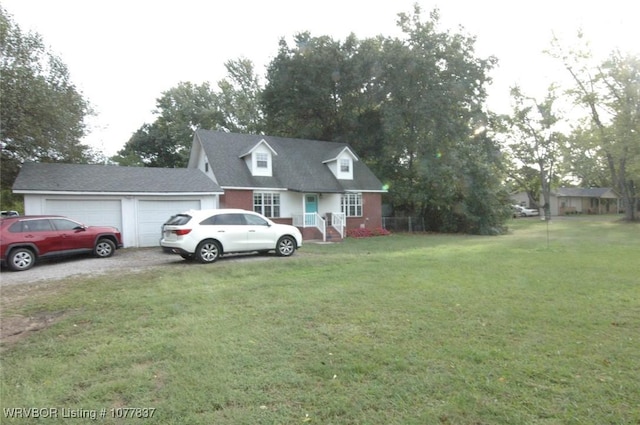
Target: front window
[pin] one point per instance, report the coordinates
(267, 204)
(351, 204)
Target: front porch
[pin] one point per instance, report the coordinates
(329, 228)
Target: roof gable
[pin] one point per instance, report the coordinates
(90, 178)
(258, 145)
(340, 152)
(300, 164)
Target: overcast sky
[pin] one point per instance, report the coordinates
(123, 54)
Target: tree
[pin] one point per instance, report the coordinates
(166, 142)
(306, 87)
(413, 109)
(523, 178)
(610, 94)
(239, 98)
(535, 140)
(42, 112)
(582, 159)
(187, 107)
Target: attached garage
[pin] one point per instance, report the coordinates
(152, 214)
(136, 200)
(107, 212)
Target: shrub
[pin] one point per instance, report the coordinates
(367, 233)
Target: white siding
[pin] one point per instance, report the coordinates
(153, 213)
(138, 217)
(92, 212)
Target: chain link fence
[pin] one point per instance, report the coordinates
(403, 224)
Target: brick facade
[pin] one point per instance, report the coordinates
(371, 211)
(237, 199)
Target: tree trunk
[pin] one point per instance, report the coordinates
(628, 192)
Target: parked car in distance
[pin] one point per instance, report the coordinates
(206, 235)
(520, 211)
(9, 213)
(27, 239)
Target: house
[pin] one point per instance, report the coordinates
(601, 200)
(321, 187)
(136, 200)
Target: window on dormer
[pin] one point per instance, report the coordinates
(345, 165)
(262, 160)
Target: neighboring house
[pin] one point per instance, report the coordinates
(601, 200)
(520, 198)
(321, 187)
(136, 200)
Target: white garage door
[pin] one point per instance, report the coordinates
(152, 214)
(89, 212)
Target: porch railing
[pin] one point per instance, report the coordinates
(338, 221)
(311, 220)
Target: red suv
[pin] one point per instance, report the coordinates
(25, 239)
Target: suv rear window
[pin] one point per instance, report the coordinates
(178, 220)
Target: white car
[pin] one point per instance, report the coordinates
(206, 235)
(520, 211)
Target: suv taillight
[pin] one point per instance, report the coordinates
(182, 232)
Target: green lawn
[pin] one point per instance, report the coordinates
(540, 326)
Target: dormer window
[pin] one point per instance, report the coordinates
(259, 159)
(340, 162)
(345, 165)
(262, 160)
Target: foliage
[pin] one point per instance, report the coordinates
(535, 140)
(166, 142)
(365, 232)
(239, 98)
(42, 112)
(412, 108)
(583, 159)
(610, 95)
(398, 330)
(182, 109)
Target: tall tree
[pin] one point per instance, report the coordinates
(413, 108)
(42, 112)
(610, 94)
(239, 98)
(583, 159)
(166, 142)
(183, 109)
(305, 88)
(536, 140)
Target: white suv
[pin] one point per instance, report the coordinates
(206, 235)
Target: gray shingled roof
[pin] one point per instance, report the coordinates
(593, 192)
(298, 165)
(56, 177)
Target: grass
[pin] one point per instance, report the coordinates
(541, 326)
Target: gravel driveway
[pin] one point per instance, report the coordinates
(128, 259)
(132, 259)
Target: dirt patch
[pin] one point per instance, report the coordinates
(14, 328)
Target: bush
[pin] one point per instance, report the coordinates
(367, 233)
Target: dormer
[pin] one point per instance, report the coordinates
(259, 159)
(341, 164)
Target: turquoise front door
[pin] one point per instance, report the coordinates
(311, 204)
(310, 208)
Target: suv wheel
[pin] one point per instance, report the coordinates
(286, 246)
(208, 251)
(104, 248)
(21, 259)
